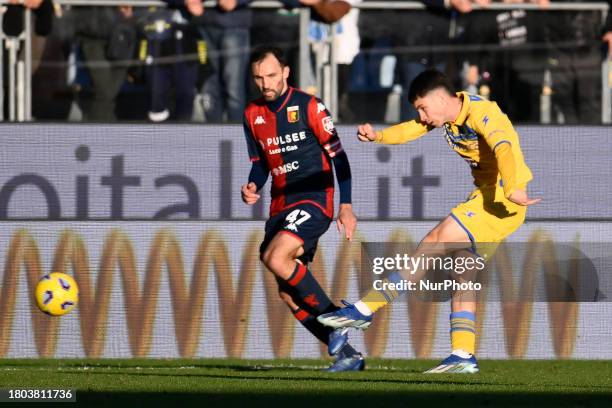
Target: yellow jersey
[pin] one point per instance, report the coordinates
(482, 135)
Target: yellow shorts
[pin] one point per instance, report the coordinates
(487, 216)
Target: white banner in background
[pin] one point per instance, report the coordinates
(196, 289)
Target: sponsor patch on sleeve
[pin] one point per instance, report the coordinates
(328, 124)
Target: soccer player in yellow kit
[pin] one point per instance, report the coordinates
(484, 137)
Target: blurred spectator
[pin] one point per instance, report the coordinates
(346, 43)
(508, 62)
(172, 55)
(574, 40)
(422, 38)
(607, 31)
(13, 21)
(106, 37)
(266, 25)
(13, 26)
(372, 73)
(225, 29)
(607, 39)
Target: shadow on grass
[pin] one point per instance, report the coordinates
(351, 377)
(370, 400)
(348, 378)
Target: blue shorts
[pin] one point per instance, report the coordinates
(306, 222)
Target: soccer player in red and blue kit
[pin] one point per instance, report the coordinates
(290, 134)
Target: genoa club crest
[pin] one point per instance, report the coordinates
(293, 114)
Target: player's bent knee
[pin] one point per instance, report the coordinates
(432, 237)
(263, 257)
(268, 259)
(275, 259)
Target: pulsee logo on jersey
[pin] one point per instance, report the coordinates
(286, 139)
(278, 143)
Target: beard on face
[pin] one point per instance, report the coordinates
(270, 94)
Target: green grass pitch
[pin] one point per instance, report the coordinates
(299, 383)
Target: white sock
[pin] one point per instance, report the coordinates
(461, 353)
(363, 308)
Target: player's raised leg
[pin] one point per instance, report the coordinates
(281, 258)
(359, 314)
(334, 339)
(306, 299)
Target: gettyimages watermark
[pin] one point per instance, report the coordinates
(403, 271)
(536, 271)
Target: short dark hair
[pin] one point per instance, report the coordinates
(261, 51)
(426, 82)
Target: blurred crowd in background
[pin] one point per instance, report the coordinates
(188, 62)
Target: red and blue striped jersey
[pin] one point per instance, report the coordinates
(296, 137)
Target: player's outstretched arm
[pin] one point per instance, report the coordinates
(520, 197)
(366, 133)
(397, 134)
(346, 220)
(499, 134)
